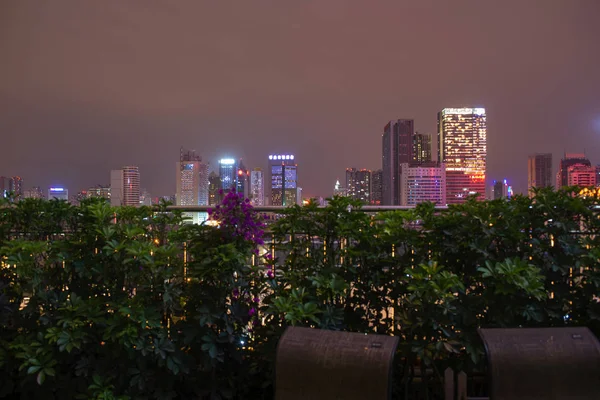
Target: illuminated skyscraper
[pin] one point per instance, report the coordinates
(376, 187)
(462, 138)
(539, 171)
(397, 145)
(99, 191)
(192, 183)
(283, 179)
(421, 148)
(569, 159)
(228, 174)
(358, 184)
(257, 183)
(422, 182)
(16, 187)
(125, 186)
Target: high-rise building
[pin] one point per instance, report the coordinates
(257, 183)
(358, 184)
(421, 148)
(569, 159)
(581, 175)
(397, 145)
(99, 191)
(228, 174)
(16, 187)
(539, 171)
(243, 180)
(34, 193)
(145, 198)
(58, 193)
(376, 187)
(283, 180)
(125, 186)
(421, 183)
(4, 186)
(192, 183)
(462, 138)
(500, 190)
(214, 185)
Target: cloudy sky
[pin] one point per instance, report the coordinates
(89, 86)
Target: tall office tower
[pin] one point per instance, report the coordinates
(462, 138)
(569, 159)
(145, 198)
(358, 184)
(99, 191)
(16, 186)
(4, 186)
(539, 171)
(283, 180)
(243, 180)
(228, 174)
(500, 190)
(257, 184)
(125, 186)
(376, 187)
(214, 185)
(581, 175)
(58, 193)
(192, 183)
(299, 196)
(422, 182)
(397, 145)
(421, 148)
(34, 193)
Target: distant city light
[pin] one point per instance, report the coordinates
(57, 189)
(281, 157)
(227, 161)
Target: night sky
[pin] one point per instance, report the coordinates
(90, 86)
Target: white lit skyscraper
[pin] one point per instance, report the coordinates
(228, 174)
(462, 146)
(283, 179)
(192, 183)
(257, 184)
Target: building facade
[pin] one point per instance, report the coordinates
(228, 174)
(377, 187)
(501, 190)
(283, 180)
(214, 186)
(462, 147)
(58, 193)
(243, 180)
(397, 145)
(581, 175)
(421, 148)
(125, 186)
(358, 184)
(35, 192)
(98, 191)
(192, 184)
(16, 187)
(422, 183)
(257, 184)
(569, 160)
(539, 171)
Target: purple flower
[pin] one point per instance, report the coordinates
(256, 299)
(252, 311)
(270, 274)
(236, 293)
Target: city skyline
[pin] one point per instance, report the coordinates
(80, 99)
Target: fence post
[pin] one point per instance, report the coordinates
(448, 384)
(462, 386)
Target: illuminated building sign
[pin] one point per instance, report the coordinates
(281, 157)
(227, 161)
(476, 111)
(57, 189)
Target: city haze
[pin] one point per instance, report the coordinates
(87, 87)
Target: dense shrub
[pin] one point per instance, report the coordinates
(131, 303)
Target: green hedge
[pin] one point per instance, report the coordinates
(129, 303)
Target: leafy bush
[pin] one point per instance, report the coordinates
(132, 303)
